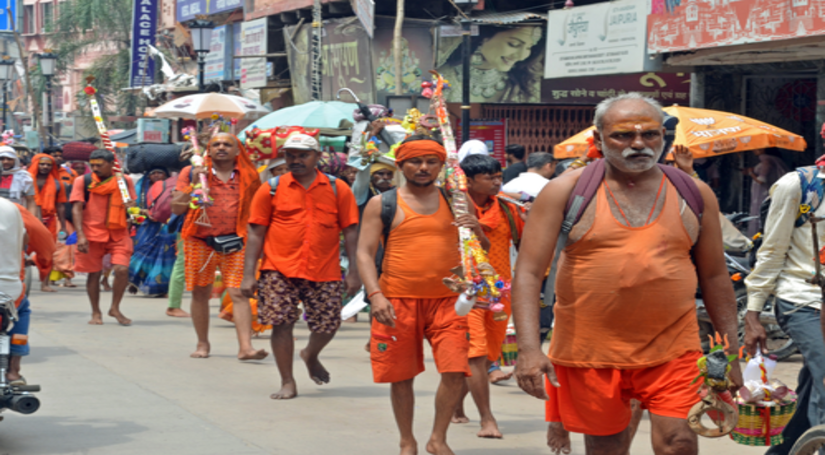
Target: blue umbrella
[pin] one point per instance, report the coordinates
(314, 114)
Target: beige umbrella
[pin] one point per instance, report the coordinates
(203, 106)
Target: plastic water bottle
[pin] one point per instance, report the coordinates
(61, 236)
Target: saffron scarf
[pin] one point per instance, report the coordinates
(492, 217)
(116, 210)
(249, 184)
(45, 197)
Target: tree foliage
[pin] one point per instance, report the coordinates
(102, 26)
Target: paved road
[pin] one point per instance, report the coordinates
(134, 390)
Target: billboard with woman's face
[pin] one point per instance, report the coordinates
(506, 64)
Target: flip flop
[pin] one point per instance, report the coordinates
(18, 382)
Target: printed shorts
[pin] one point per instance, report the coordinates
(202, 262)
(278, 298)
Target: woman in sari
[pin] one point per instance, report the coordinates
(154, 255)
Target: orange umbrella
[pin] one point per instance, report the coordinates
(706, 133)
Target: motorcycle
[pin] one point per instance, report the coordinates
(18, 398)
(739, 267)
(810, 442)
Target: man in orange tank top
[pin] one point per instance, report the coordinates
(502, 227)
(410, 302)
(625, 313)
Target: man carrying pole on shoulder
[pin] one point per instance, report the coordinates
(102, 227)
(410, 302)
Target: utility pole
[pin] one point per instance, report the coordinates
(396, 48)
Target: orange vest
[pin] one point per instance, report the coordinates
(420, 253)
(625, 296)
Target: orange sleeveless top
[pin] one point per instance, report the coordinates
(625, 296)
(420, 253)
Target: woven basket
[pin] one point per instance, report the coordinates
(509, 350)
(762, 425)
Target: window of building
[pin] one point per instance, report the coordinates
(28, 19)
(48, 17)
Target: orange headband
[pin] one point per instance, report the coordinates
(415, 149)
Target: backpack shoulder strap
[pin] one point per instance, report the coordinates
(273, 185)
(687, 188)
(511, 220)
(332, 180)
(812, 193)
(580, 198)
(87, 180)
(389, 205)
(446, 195)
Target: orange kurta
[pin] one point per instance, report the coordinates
(625, 296)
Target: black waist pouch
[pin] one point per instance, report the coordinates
(229, 243)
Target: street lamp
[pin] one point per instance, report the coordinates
(6, 68)
(48, 60)
(201, 41)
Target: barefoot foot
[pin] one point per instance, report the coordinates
(287, 392)
(317, 372)
(499, 376)
(459, 417)
(558, 439)
(409, 448)
(177, 313)
(69, 284)
(201, 351)
(439, 448)
(252, 354)
(47, 288)
(121, 319)
(489, 429)
(97, 319)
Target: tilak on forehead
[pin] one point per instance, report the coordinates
(97, 161)
(638, 124)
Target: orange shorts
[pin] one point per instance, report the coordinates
(92, 262)
(487, 334)
(202, 262)
(596, 401)
(397, 354)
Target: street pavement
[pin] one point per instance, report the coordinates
(134, 390)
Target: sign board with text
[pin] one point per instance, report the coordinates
(153, 130)
(607, 38)
(493, 133)
(188, 9)
(701, 25)
(144, 26)
(219, 59)
(253, 42)
(666, 88)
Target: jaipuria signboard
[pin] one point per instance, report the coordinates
(144, 26)
(607, 38)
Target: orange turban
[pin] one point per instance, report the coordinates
(415, 149)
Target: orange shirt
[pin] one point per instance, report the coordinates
(625, 296)
(95, 213)
(501, 236)
(223, 213)
(420, 253)
(303, 239)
